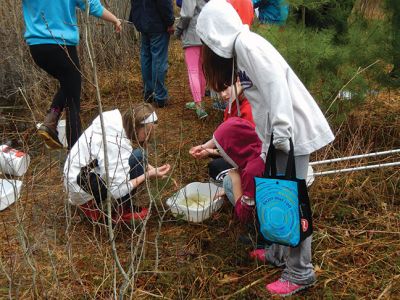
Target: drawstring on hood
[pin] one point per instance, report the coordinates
(234, 85)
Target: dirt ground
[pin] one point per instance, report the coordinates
(48, 251)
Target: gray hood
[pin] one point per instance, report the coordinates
(218, 26)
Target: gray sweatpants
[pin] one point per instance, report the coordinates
(297, 261)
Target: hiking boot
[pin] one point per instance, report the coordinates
(284, 288)
(201, 113)
(48, 130)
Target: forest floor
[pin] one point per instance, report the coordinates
(356, 243)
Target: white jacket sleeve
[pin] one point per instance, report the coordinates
(269, 77)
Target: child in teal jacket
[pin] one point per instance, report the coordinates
(52, 34)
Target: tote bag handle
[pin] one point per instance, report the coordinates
(270, 162)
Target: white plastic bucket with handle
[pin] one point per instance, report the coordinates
(13, 162)
(179, 205)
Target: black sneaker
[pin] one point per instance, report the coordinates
(149, 98)
(161, 103)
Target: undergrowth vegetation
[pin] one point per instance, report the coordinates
(49, 251)
(328, 68)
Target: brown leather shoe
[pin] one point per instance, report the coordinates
(48, 130)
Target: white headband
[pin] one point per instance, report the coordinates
(150, 119)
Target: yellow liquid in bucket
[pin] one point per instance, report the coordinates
(195, 201)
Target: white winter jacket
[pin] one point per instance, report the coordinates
(280, 103)
(90, 147)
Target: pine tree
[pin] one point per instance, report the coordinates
(325, 14)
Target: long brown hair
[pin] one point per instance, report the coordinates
(217, 70)
(132, 119)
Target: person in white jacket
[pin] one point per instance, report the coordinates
(280, 104)
(84, 170)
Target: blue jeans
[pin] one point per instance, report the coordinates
(136, 163)
(154, 63)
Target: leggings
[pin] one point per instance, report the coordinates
(62, 63)
(195, 72)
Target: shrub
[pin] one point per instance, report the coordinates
(326, 66)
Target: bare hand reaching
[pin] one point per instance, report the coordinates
(118, 26)
(199, 152)
(159, 172)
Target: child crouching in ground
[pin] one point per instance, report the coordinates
(239, 145)
(218, 167)
(85, 173)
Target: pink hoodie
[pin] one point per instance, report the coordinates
(239, 145)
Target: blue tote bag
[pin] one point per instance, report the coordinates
(283, 206)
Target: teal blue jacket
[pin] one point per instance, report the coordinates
(55, 21)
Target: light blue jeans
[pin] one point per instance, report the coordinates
(228, 188)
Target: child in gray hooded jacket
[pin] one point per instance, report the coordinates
(280, 105)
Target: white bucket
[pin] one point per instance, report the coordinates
(179, 202)
(12, 161)
(9, 192)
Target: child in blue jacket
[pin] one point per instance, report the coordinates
(52, 35)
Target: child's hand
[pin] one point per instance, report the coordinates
(219, 194)
(118, 26)
(171, 29)
(159, 172)
(199, 152)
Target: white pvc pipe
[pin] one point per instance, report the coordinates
(392, 164)
(327, 161)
